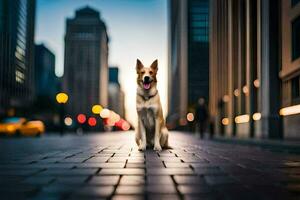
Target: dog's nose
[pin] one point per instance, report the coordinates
(146, 79)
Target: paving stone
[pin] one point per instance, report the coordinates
(158, 180)
(197, 180)
(39, 180)
(130, 189)
(135, 165)
(155, 164)
(209, 171)
(117, 159)
(24, 172)
(194, 189)
(161, 189)
(219, 180)
(169, 171)
(101, 165)
(59, 189)
(128, 197)
(208, 196)
(104, 180)
(164, 196)
(132, 180)
(126, 171)
(51, 166)
(78, 180)
(73, 160)
(68, 172)
(94, 191)
(97, 160)
(171, 159)
(136, 160)
(176, 165)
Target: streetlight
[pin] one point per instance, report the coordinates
(62, 99)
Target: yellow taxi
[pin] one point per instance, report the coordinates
(16, 125)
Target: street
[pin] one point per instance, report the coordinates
(109, 166)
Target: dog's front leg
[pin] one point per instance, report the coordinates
(157, 146)
(143, 143)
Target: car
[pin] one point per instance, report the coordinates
(21, 126)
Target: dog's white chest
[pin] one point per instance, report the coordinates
(148, 117)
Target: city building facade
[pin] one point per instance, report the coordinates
(254, 68)
(116, 96)
(17, 19)
(46, 82)
(47, 85)
(188, 57)
(85, 77)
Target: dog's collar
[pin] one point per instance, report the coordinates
(148, 97)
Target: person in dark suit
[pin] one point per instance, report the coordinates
(201, 116)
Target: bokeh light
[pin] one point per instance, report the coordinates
(110, 122)
(125, 126)
(190, 117)
(114, 117)
(225, 121)
(256, 116)
(92, 121)
(96, 109)
(105, 113)
(62, 97)
(68, 121)
(81, 118)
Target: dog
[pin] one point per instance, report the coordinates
(151, 130)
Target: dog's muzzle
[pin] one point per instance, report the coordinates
(147, 82)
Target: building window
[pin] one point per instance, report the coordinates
(295, 2)
(198, 20)
(295, 89)
(296, 38)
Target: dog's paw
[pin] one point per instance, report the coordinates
(142, 147)
(157, 148)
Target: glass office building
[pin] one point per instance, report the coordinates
(16, 54)
(188, 57)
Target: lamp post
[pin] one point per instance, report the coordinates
(62, 99)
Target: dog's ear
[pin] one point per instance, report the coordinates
(139, 65)
(154, 65)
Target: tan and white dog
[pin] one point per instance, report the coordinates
(151, 129)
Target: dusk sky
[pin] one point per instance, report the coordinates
(136, 28)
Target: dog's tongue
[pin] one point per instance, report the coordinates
(146, 86)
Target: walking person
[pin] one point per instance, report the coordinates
(201, 116)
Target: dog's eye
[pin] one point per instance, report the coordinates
(151, 72)
(143, 72)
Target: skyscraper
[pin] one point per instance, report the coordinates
(188, 56)
(46, 82)
(255, 67)
(47, 85)
(86, 62)
(16, 54)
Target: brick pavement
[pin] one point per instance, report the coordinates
(109, 166)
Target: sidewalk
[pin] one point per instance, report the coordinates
(109, 166)
(289, 146)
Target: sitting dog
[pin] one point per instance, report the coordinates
(151, 129)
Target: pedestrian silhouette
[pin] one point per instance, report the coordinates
(201, 116)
